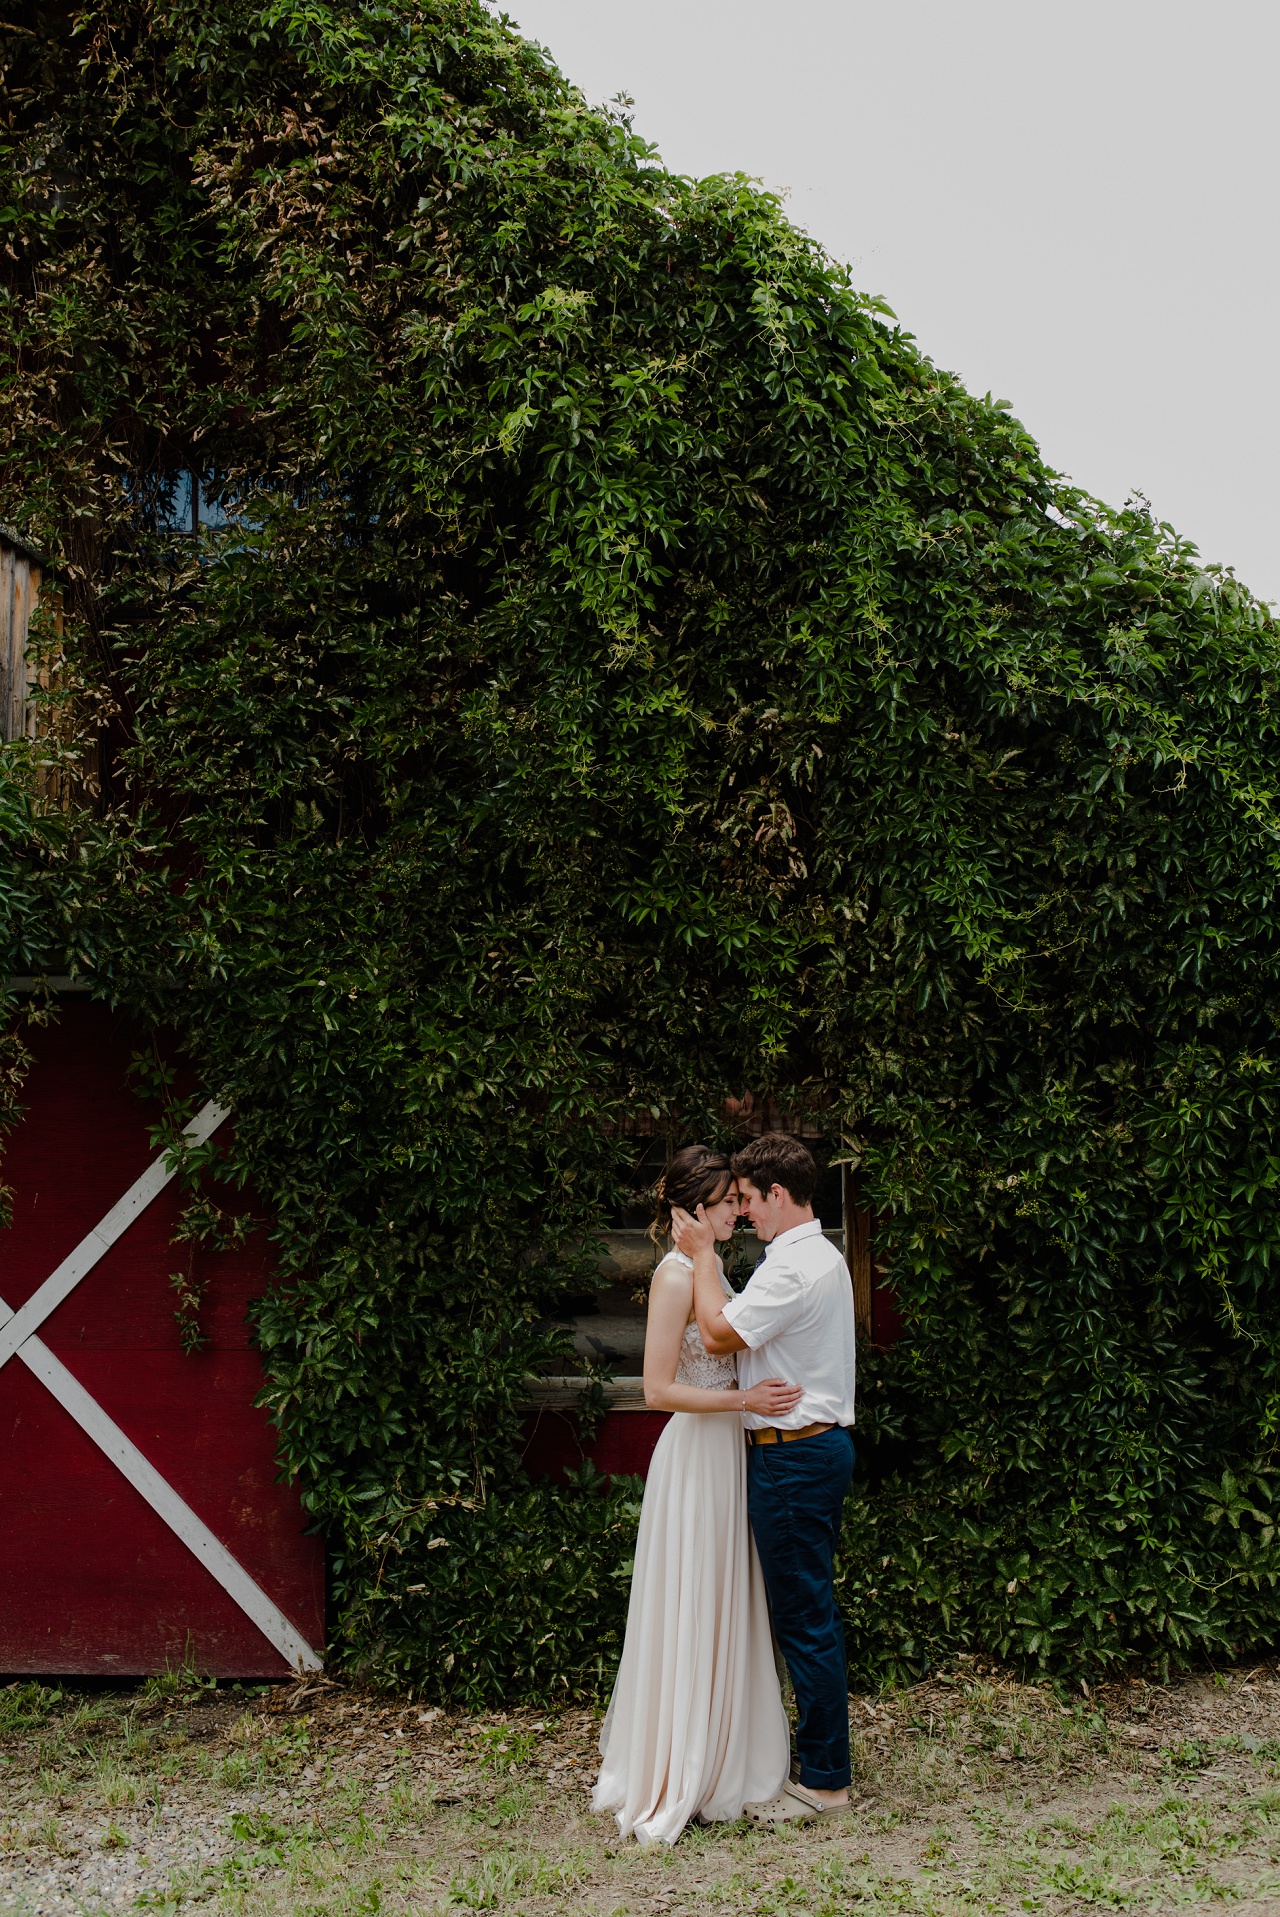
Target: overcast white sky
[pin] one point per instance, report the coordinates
(1073, 206)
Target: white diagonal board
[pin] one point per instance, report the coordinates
(62, 1282)
(18, 1337)
(166, 1503)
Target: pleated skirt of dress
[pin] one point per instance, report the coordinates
(695, 1727)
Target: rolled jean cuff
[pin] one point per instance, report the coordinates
(815, 1780)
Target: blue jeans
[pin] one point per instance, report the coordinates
(795, 1494)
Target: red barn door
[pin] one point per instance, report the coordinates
(141, 1522)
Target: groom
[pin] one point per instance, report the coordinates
(794, 1320)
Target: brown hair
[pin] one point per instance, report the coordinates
(775, 1159)
(696, 1176)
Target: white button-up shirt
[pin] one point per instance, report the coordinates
(795, 1317)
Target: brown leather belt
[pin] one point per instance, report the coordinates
(772, 1435)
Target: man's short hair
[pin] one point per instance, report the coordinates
(775, 1159)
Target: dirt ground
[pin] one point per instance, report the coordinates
(974, 1793)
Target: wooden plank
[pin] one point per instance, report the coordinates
(91, 1578)
(17, 1336)
(20, 675)
(630, 1256)
(141, 1474)
(20, 578)
(621, 1392)
(8, 562)
(85, 1140)
(62, 1282)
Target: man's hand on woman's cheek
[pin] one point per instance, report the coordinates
(691, 1235)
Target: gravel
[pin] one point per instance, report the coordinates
(329, 1799)
(71, 1842)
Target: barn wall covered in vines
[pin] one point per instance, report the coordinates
(537, 646)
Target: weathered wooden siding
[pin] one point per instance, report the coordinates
(20, 575)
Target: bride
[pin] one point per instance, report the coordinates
(695, 1727)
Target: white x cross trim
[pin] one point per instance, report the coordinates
(18, 1338)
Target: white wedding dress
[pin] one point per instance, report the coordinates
(695, 1726)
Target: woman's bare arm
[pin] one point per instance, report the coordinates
(670, 1297)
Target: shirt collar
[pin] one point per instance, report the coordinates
(811, 1228)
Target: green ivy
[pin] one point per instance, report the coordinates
(627, 672)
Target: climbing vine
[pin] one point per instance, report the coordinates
(536, 647)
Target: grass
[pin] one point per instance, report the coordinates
(117, 1786)
(976, 1795)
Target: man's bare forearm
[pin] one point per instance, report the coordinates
(717, 1334)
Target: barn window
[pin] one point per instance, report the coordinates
(608, 1327)
(185, 500)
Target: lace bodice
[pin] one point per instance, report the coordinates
(698, 1366)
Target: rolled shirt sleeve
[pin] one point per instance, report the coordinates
(769, 1306)
(795, 1320)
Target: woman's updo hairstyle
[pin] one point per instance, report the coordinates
(696, 1176)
